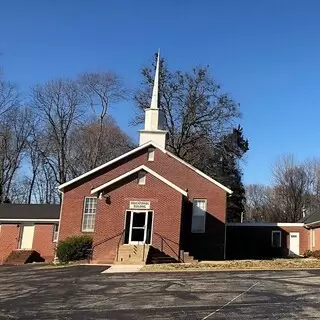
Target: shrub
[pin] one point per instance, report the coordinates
(308, 254)
(316, 254)
(74, 248)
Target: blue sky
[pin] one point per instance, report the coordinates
(265, 53)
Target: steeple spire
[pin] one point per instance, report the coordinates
(155, 91)
(154, 122)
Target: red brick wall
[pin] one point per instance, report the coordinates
(110, 217)
(165, 165)
(43, 241)
(317, 239)
(304, 237)
(9, 238)
(255, 241)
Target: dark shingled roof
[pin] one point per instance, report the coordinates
(311, 218)
(29, 211)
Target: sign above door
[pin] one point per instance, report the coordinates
(140, 204)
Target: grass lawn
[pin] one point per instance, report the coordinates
(275, 264)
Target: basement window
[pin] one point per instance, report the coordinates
(151, 154)
(276, 239)
(141, 178)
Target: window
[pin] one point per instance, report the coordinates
(89, 214)
(55, 232)
(276, 239)
(141, 178)
(199, 210)
(313, 238)
(151, 154)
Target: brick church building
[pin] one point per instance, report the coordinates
(147, 199)
(147, 206)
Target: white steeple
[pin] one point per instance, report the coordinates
(155, 91)
(154, 117)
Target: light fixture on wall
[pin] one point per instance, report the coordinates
(106, 196)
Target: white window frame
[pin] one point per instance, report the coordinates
(141, 178)
(151, 154)
(55, 233)
(204, 215)
(313, 233)
(88, 214)
(280, 242)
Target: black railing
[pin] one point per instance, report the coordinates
(119, 243)
(165, 241)
(143, 252)
(104, 241)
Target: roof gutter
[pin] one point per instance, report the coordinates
(30, 220)
(311, 224)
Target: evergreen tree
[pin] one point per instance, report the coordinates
(222, 162)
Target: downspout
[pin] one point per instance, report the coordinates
(182, 231)
(225, 229)
(55, 259)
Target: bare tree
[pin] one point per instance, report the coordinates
(200, 119)
(45, 188)
(292, 183)
(101, 90)
(257, 206)
(59, 105)
(114, 142)
(15, 129)
(69, 114)
(197, 112)
(9, 96)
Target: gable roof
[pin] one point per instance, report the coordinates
(29, 212)
(312, 219)
(148, 144)
(135, 170)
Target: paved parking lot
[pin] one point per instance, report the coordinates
(85, 293)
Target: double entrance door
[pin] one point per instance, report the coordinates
(138, 227)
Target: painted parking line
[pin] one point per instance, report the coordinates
(235, 298)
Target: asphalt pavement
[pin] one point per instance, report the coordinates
(82, 292)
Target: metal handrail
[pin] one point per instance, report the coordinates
(118, 245)
(104, 241)
(164, 240)
(5, 250)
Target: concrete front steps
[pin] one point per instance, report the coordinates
(158, 257)
(187, 258)
(132, 254)
(131, 258)
(147, 254)
(19, 257)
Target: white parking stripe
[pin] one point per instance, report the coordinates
(238, 296)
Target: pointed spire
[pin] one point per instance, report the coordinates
(155, 91)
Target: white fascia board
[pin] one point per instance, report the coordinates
(200, 172)
(264, 224)
(312, 223)
(150, 143)
(142, 167)
(62, 186)
(29, 220)
(193, 168)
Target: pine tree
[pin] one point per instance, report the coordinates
(223, 164)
